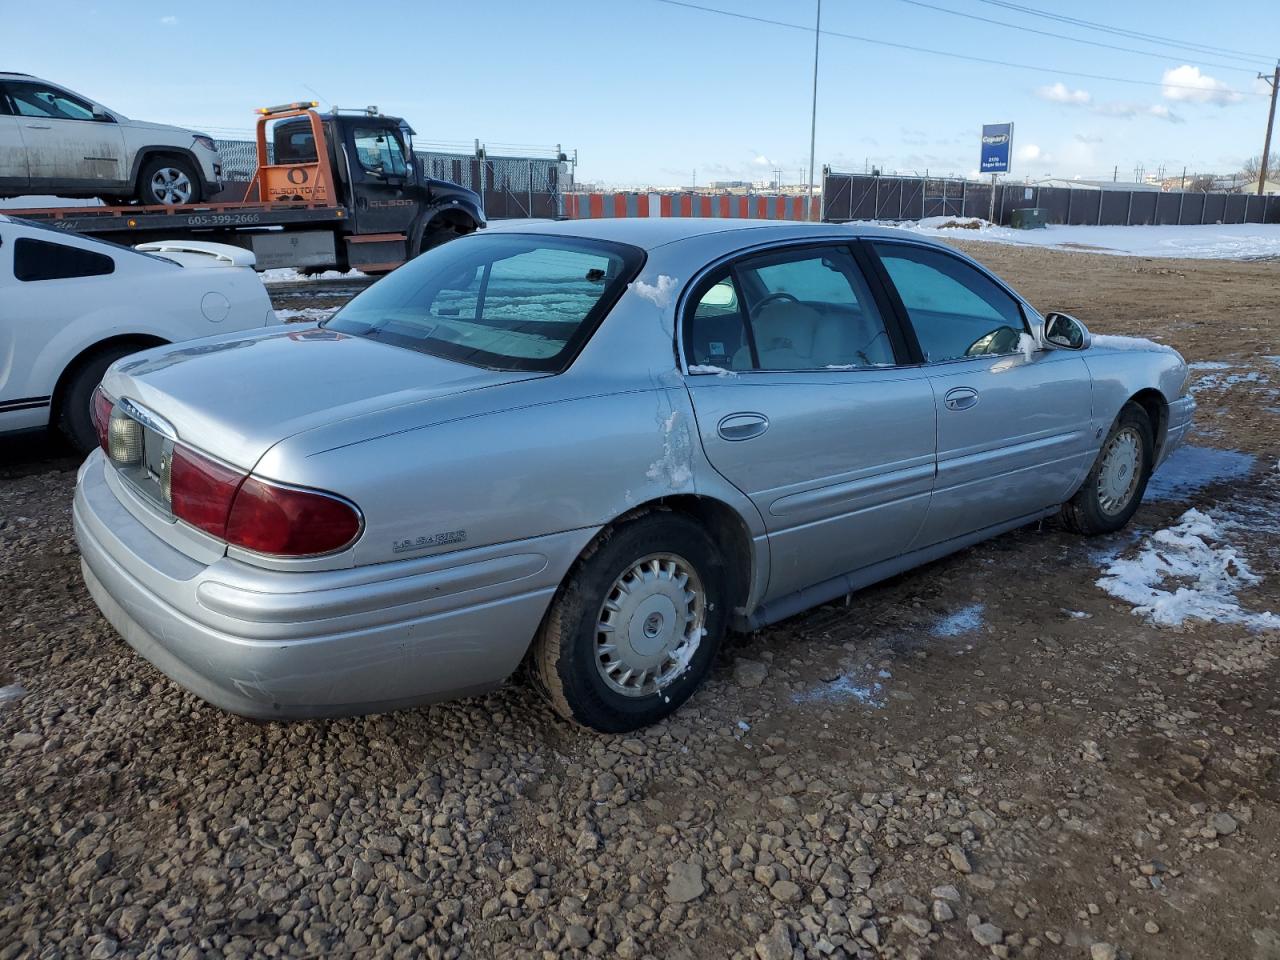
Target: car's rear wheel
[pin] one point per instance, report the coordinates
(1111, 493)
(75, 417)
(168, 181)
(635, 626)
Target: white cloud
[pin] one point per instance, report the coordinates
(1131, 110)
(1187, 83)
(1030, 151)
(762, 161)
(1060, 93)
(169, 21)
(1087, 138)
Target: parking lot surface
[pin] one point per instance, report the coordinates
(989, 756)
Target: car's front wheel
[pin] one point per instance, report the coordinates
(635, 626)
(168, 181)
(1111, 493)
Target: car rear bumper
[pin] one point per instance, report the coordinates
(275, 645)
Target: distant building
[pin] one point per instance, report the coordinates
(1075, 184)
(1270, 187)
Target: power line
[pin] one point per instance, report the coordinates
(1132, 34)
(947, 53)
(1063, 36)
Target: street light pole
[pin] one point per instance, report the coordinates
(813, 117)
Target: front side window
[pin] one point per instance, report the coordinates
(956, 310)
(41, 260)
(800, 309)
(37, 100)
(379, 151)
(503, 301)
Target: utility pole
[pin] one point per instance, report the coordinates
(813, 117)
(1274, 81)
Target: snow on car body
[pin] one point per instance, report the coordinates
(70, 306)
(612, 439)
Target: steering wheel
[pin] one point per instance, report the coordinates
(1000, 340)
(780, 297)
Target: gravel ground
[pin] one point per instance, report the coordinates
(989, 756)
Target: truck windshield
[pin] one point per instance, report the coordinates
(503, 301)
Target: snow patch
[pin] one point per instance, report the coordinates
(306, 314)
(842, 688)
(12, 692)
(1115, 342)
(661, 293)
(1208, 365)
(965, 620)
(1190, 469)
(710, 368)
(1027, 344)
(1189, 571)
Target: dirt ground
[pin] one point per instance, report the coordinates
(989, 756)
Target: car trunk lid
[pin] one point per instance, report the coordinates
(235, 396)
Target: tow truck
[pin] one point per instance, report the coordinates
(339, 190)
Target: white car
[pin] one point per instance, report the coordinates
(70, 306)
(54, 141)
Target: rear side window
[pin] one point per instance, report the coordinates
(41, 260)
(503, 301)
(955, 309)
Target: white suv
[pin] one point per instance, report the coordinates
(53, 141)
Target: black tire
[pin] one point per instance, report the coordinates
(171, 170)
(1091, 511)
(75, 416)
(564, 657)
(438, 233)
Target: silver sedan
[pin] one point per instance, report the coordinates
(592, 448)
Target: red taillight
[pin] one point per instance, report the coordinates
(255, 514)
(201, 490)
(289, 522)
(101, 412)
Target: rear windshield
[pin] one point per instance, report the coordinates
(503, 301)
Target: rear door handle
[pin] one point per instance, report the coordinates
(742, 426)
(39, 126)
(960, 398)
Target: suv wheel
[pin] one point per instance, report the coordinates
(168, 181)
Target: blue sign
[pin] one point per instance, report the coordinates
(997, 144)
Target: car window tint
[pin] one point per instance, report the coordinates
(955, 309)
(714, 331)
(35, 100)
(41, 260)
(811, 310)
(379, 150)
(508, 301)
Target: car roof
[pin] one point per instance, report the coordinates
(651, 232)
(13, 75)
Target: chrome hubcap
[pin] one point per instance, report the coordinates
(170, 185)
(649, 625)
(1121, 468)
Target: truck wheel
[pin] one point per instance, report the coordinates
(635, 626)
(75, 417)
(1112, 492)
(168, 181)
(439, 233)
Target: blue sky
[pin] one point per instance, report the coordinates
(648, 92)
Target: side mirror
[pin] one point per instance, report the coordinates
(1065, 332)
(100, 113)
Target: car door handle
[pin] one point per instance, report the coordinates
(960, 398)
(742, 426)
(39, 126)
